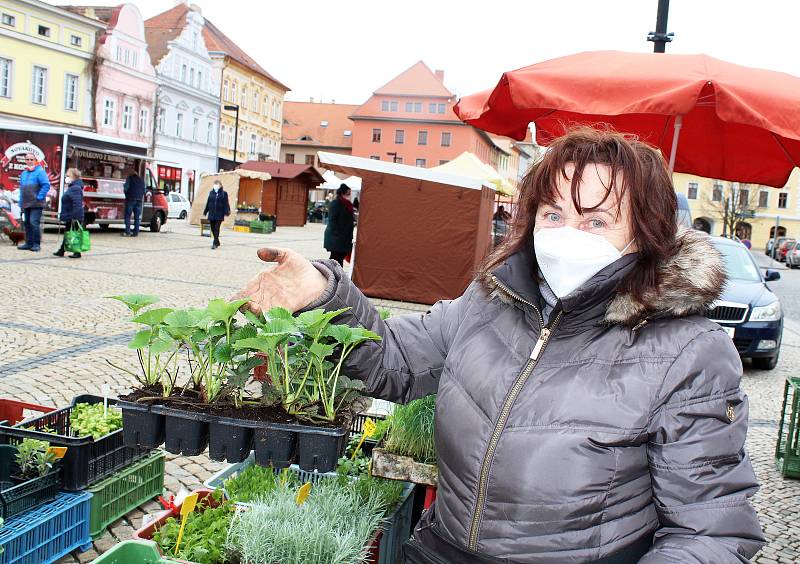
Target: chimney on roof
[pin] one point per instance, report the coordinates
(440, 76)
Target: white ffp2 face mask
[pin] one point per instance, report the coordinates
(569, 257)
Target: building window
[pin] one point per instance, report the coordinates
(323, 123)
(310, 160)
(385, 106)
(183, 73)
(253, 142)
(200, 79)
(225, 92)
(75, 40)
(266, 106)
(393, 105)
(431, 108)
(399, 136)
(234, 88)
(421, 163)
(398, 160)
(744, 198)
(763, 199)
(783, 200)
(716, 193)
(244, 97)
(179, 125)
(44, 31)
(348, 133)
(127, 117)
(255, 101)
(441, 162)
(195, 129)
(109, 109)
(191, 76)
(441, 108)
(135, 59)
(376, 135)
(8, 19)
(290, 158)
(422, 138)
(210, 133)
(418, 107)
(375, 157)
(223, 137)
(6, 66)
(691, 193)
(160, 120)
(409, 107)
(144, 117)
(39, 89)
(230, 137)
(445, 139)
(240, 142)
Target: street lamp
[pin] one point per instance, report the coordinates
(234, 107)
(393, 155)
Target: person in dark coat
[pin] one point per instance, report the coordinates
(71, 206)
(339, 232)
(33, 188)
(134, 198)
(217, 208)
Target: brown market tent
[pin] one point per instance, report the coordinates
(286, 195)
(232, 182)
(421, 233)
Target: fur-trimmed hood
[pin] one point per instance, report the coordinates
(689, 283)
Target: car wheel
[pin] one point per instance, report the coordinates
(156, 222)
(105, 226)
(183, 215)
(766, 363)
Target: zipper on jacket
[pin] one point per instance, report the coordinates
(505, 411)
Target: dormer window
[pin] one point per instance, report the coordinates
(44, 31)
(347, 133)
(323, 123)
(306, 138)
(75, 40)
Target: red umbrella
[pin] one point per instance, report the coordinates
(733, 122)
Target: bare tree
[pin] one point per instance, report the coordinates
(735, 202)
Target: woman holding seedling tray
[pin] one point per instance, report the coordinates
(586, 410)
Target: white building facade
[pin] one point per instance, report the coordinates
(187, 107)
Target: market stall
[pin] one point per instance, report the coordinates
(241, 186)
(421, 233)
(286, 195)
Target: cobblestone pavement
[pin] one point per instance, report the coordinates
(57, 331)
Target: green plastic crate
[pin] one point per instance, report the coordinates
(125, 491)
(262, 226)
(787, 450)
(133, 552)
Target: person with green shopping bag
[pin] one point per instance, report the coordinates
(71, 209)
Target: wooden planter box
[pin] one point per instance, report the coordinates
(405, 468)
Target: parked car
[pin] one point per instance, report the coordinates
(783, 248)
(771, 245)
(793, 256)
(179, 206)
(748, 310)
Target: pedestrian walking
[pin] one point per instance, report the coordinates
(217, 209)
(33, 188)
(587, 411)
(339, 231)
(134, 200)
(71, 206)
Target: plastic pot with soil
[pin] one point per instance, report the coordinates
(296, 407)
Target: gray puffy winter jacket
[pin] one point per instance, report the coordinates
(569, 442)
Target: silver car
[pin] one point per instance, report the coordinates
(793, 256)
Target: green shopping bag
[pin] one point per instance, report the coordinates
(76, 239)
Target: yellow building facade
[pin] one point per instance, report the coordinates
(46, 61)
(762, 207)
(260, 102)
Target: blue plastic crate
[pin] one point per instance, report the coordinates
(47, 533)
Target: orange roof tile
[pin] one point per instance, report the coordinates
(304, 119)
(218, 41)
(163, 28)
(417, 80)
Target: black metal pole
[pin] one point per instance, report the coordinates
(660, 37)
(236, 136)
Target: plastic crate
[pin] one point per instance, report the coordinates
(13, 411)
(87, 460)
(262, 226)
(133, 552)
(241, 228)
(787, 449)
(217, 481)
(121, 493)
(18, 497)
(397, 528)
(48, 532)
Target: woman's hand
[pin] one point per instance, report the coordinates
(293, 284)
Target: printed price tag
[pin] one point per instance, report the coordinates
(58, 452)
(302, 493)
(370, 427)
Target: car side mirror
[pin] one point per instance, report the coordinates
(772, 275)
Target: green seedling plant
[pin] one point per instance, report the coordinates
(93, 419)
(255, 482)
(34, 458)
(410, 430)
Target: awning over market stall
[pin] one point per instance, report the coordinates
(332, 182)
(421, 232)
(230, 183)
(468, 164)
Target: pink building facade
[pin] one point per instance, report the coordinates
(126, 79)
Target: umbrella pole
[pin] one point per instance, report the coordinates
(675, 138)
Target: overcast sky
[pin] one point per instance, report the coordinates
(345, 50)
